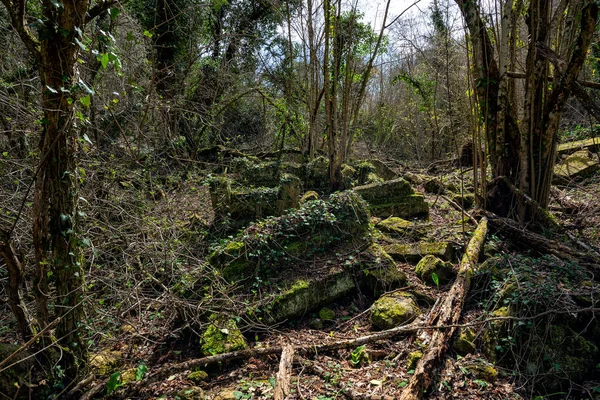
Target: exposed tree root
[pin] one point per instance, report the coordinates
(448, 313)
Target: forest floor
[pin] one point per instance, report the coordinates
(140, 321)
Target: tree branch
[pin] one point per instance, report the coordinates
(98, 9)
(16, 10)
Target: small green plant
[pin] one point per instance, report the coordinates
(114, 382)
(357, 355)
(140, 372)
(436, 279)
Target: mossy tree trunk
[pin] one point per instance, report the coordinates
(55, 46)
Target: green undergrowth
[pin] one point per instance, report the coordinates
(539, 323)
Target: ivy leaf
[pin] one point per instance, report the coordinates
(86, 100)
(148, 34)
(436, 279)
(114, 12)
(139, 373)
(113, 382)
(104, 60)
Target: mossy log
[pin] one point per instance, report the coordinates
(448, 313)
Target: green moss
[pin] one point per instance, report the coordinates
(434, 186)
(326, 314)
(191, 393)
(577, 165)
(481, 370)
(197, 376)
(592, 144)
(381, 193)
(309, 196)
(413, 359)
(380, 272)
(306, 295)
(222, 336)
(393, 309)
(464, 341)
(105, 362)
(415, 251)
(467, 200)
(412, 206)
(129, 375)
(430, 265)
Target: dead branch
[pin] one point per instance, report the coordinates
(284, 375)
(449, 313)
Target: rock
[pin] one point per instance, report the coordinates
(413, 359)
(579, 165)
(382, 170)
(129, 375)
(198, 376)
(13, 378)
(191, 393)
(348, 176)
(316, 174)
(379, 272)
(326, 314)
(429, 265)
(466, 201)
(401, 228)
(566, 353)
(491, 336)
(394, 198)
(302, 296)
(302, 233)
(413, 252)
(592, 144)
(227, 394)
(393, 309)
(434, 186)
(481, 370)
(105, 362)
(221, 336)
(464, 341)
(316, 323)
(309, 196)
(253, 172)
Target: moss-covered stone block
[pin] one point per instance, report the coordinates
(191, 393)
(326, 314)
(385, 192)
(311, 195)
(400, 228)
(466, 201)
(197, 376)
(481, 370)
(105, 362)
(576, 166)
(413, 206)
(221, 336)
(434, 186)
(348, 176)
(379, 272)
(255, 172)
(591, 144)
(413, 252)
(303, 296)
(383, 170)
(464, 341)
(393, 309)
(316, 174)
(430, 265)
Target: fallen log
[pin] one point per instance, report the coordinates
(284, 375)
(448, 313)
